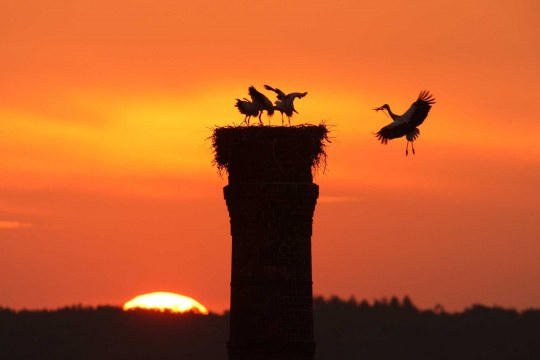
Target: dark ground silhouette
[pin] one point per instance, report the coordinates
(390, 329)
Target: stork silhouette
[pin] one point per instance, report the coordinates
(285, 102)
(406, 124)
(261, 102)
(246, 108)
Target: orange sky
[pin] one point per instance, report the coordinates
(106, 184)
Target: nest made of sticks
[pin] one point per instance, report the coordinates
(270, 152)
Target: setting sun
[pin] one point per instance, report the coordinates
(165, 301)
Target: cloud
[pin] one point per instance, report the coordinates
(9, 224)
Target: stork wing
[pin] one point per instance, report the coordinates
(259, 98)
(246, 107)
(280, 94)
(419, 110)
(297, 95)
(242, 106)
(392, 131)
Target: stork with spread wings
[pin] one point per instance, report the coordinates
(285, 102)
(406, 124)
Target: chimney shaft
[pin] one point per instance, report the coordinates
(271, 199)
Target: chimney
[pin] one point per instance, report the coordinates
(271, 199)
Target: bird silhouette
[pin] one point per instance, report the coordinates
(261, 103)
(246, 108)
(406, 124)
(285, 102)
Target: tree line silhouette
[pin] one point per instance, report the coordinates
(344, 329)
(393, 329)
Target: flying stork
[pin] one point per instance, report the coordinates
(285, 102)
(261, 102)
(406, 124)
(247, 108)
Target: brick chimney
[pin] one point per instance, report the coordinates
(271, 199)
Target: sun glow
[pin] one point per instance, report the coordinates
(166, 301)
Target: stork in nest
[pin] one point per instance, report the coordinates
(285, 102)
(406, 124)
(246, 108)
(261, 102)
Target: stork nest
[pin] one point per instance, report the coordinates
(270, 153)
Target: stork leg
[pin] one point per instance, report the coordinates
(407, 149)
(289, 118)
(282, 121)
(260, 120)
(412, 145)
